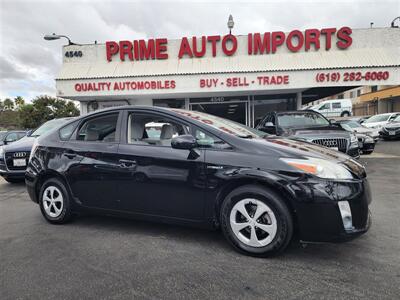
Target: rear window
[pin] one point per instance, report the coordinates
(66, 132)
(99, 129)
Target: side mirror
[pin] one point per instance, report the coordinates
(332, 121)
(29, 132)
(268, 127)
(186, 141)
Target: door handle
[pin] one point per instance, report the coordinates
(124, 163)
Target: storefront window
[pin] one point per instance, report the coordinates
(264, 104)
(171, 103)
(232, 108)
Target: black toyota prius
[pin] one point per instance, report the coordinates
(188, 167)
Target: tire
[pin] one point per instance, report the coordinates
(54, 202)
(368, 152)
(14, 180)
(345, 114)
(276, 219)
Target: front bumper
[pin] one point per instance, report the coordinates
(367, 147)
(392, 134)
(6, 173)
(319, 216)
(354, 151)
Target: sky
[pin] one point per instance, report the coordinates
(29, 64)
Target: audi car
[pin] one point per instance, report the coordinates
(8, 137)
(199, 170)
(311, 126)
(14, 157)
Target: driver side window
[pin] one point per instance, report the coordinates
(152, 129)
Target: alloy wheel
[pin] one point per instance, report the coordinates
(253, 222)
(53, 201)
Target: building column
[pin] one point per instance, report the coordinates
(299, 100)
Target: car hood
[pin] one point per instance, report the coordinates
(291, 147)
(392, 125)
(363, 130)
(374, 124)
(24, 144)
(310, 134)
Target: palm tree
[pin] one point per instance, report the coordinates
(19, 101)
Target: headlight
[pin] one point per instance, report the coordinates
(368, 139)
(353, 138)
(319, 167)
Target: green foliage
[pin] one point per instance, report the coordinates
(32, 115)
(9, 119)
(8, 104)
(44, 108)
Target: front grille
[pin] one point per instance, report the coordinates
(392, 128)
(341, 144)
(10, 156)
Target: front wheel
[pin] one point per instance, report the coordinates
(54, 202)
(368, 152)
(256, 221)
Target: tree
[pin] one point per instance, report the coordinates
(8, 104)
(19, 101)
(1, 105)
(44, 108)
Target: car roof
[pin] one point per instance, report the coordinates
(297, 112)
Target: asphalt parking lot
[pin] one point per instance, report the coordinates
(97, 257)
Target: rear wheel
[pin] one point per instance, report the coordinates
(54, 202)
(256, 221)
(345, 114)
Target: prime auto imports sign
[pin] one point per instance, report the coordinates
(257, 44)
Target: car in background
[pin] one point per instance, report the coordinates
(334, 108)
(14, 157)
(201, 170)
(366, 143)
(311, 126)
(377, 121)
(8, 137)
(391, 130)
(359, 128)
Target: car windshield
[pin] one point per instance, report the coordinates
(49, 125)
(346, 127)
(377, 118)
(304, 119)
(397, 119)
(2, 135)
(225, 125)
(352, 124)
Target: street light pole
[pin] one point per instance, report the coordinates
(52, 37)
(230, 24)
(392, 24)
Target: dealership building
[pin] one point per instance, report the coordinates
(240, 77)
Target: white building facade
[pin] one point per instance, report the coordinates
(239, 77)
